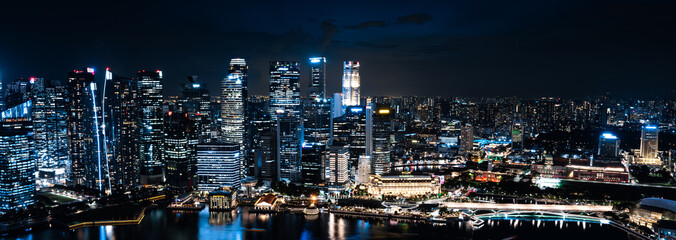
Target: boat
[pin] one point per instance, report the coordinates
(312, 209)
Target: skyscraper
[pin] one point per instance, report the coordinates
(196, 102)
(217, 166)
(179, 150)
(350, 130)
(285, 111)
(88, 161)
(317, 109)
(336, 165)
(317, 87)
(17, 158)
(284, 89)
(381, 131)
(312, 164)
(121, 131)
(150, 123)
(56, 128)
(289, 141)
(233, 102)
(351, 84)
(649, 141)
(466, 138)
(609, 146)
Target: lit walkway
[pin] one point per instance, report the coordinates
(527, 207)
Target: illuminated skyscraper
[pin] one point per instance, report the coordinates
(217, 166)
(289, 141)
(285, 110)
(350, 130)
(609, 146)
(233, 105)
(312, 164)
(381, 131)
(85, 136)
(649, 141)
(284, 89)
(179, 150)
(151, 124)
(196, 102)
(336, 165)
(466, 138)
(121, 132)
(17, 158)
(318, 77)
(351, 83)
(317, 109)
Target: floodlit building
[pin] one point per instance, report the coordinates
(649, 141)
(233, 105)
(404, 185)
(351, 84)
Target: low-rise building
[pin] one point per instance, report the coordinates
(268, 202)
(404, 185)
(223, 199)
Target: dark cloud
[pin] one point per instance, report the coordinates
(330, 30)
(368, 24)
(414, 18)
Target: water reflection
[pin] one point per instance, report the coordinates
(221, 217)
(240, 224)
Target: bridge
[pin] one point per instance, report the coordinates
(537, 215)
(526, 207)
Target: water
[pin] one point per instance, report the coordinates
(165, 224)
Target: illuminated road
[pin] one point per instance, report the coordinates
(527, 207)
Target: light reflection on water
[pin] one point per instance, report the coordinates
(240, 224)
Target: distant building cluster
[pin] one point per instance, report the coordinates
(125, 132)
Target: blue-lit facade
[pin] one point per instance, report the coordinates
(609, 146)
(18, 161)
(218, 166)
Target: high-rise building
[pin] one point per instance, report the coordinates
(381, 132)
(466, 138)
(259, 125)
(266, 155)
(233, 102)
(285, 110)
(350, 130)
(55, 168)
(649, 141)
(336, 165)
(312, 164)
(17, 158)
(218, 166)
(609, 146)
(179, 149)
(121, 131)
(351, 84)
(151, 126)
(85, 135)
(284, 89)
(196, 102)
(317, 87)
(289, 141)
(317, 121)
(337, 106)
(317, 109)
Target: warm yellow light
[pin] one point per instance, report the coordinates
(384, 111)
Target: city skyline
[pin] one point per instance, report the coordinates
(338, 120)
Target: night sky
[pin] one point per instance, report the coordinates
(468, 48)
